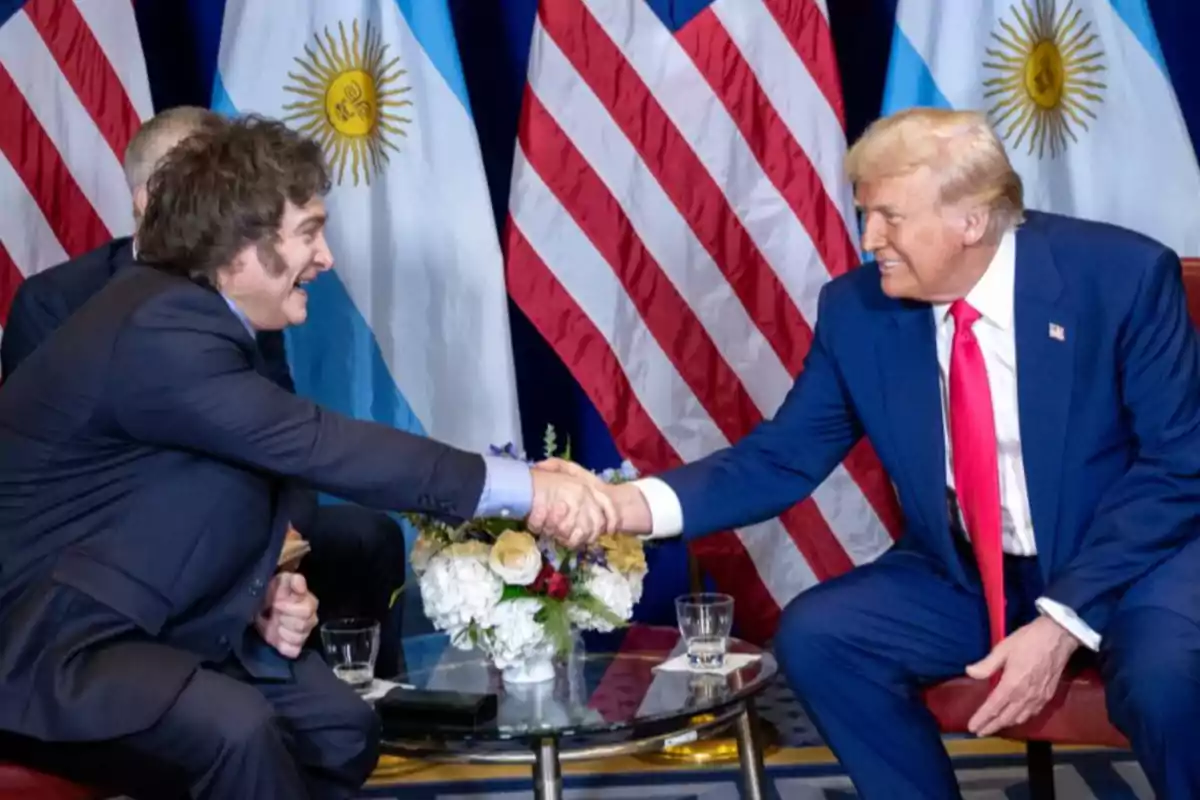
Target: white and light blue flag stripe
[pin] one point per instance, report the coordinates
(411, 326)
(1080, 93)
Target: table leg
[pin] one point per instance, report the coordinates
(547, 772)
(750, 755)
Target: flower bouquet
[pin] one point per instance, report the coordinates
(519, 597)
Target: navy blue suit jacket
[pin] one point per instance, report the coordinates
(1109, 419)
(145, 459)
(46, 299)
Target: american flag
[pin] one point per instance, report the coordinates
(74, 91)
(678, 202)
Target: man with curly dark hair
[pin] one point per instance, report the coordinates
(358, 554)
(146, 463)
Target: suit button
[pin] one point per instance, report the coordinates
(223, 641)
(257, 587)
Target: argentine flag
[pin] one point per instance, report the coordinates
(411, 327)
(1080, 94)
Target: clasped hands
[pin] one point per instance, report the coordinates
(574, 506)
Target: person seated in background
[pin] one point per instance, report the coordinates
(146, 463)
(1031, 383)
(358, 555)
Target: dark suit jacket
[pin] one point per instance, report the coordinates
(46, 299)
(1109, 415)
(142, 458)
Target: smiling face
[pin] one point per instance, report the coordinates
(266, 281)
(922, 245)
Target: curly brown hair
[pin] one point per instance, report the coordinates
(225, 188)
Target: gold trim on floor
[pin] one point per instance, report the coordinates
(396, 770)
(714, 751)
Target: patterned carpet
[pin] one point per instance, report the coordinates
(798, 769)
(1078, 776)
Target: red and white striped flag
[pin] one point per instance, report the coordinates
(74, 91)
(677, 204)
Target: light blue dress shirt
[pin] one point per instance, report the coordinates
(507, 489)
(237, 312)
(507, 484)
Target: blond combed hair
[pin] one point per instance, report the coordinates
(958, 147)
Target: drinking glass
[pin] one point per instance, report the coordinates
(705, 621)
(351, 647)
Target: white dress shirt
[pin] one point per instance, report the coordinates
(993, 298)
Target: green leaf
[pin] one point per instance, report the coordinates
(515, 593)
(553, 617)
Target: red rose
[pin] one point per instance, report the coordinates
(559, 586)
(543, 579)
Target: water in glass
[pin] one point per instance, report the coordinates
(351, 647)
(705, 620)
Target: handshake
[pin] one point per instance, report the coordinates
(575, 507)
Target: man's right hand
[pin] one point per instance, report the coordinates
(569, 508)
(288, 615)
(632, 510)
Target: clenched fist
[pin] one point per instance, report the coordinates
(288, 615)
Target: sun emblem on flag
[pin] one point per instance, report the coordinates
(1047, 70)
(351, 100)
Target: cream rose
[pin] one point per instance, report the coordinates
(515, 558)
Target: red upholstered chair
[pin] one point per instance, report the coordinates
(22, 783)
(1191, 286)
(1076, 715)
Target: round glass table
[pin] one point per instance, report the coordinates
(606, 699)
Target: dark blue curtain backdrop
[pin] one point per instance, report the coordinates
(181, 42)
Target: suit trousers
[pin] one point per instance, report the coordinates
(228, 735)
(858, 649)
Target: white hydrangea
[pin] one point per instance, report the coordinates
(635, 580)
(613, 590)
(516, 637)
(458, 588)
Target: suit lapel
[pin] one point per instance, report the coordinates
(913, 402)
(1045, 340)
(245, 338)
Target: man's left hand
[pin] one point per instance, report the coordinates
(289, 614)
(1031, 661)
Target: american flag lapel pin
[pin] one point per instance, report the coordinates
(1057, 333)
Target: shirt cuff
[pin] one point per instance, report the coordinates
(507, 489)
(1067, 618)
(666, 514)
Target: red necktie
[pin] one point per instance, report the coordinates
(975, 458)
